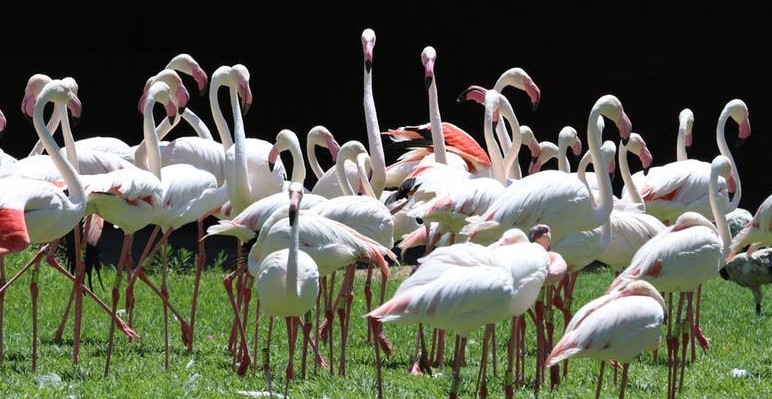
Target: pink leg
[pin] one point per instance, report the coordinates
(125, 251)
(625, 368)
(600, 379)
(242, 367)
(456, 381)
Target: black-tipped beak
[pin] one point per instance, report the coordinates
(76, 120)
(625, 140)
(645, 171)
(245, 108)
(293, 214)
(739, 142)
(368, 65)
(428, 82)
(462, 97)
(535, 106)
(29, 119)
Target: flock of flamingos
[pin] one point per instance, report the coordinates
(501, 243)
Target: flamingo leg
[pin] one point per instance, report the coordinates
(125, 250)
(200, 260)
(686, 327)
(698, 335)
(267, 356)
(375, 325)
(509, 391)
(600, 379)
(482, 379)
(456, 381)
(245, 360)
(623, 385)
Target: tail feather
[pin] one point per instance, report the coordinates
(390, 309)
(229, 228)
(563, 350)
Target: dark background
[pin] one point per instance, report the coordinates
(306, 66)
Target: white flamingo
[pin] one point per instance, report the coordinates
(680, 259)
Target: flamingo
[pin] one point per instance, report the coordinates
(189, 195)
(320, 136)
(680, 186)
(615, 327)
(755, 233)
(40, 211)
(567, 138)
(631, 225)
(367, 215)
(287, 284)
(680, 259)
(555, 198)
(503, 282)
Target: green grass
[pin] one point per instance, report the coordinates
(739, 339)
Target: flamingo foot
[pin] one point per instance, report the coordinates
(243, 365)
(701, 338)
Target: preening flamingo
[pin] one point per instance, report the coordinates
(756, 233)
(680, 259)
(615, 327)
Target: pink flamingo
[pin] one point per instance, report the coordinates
(680, 259)
(39, 211)
(449, 294)
(615, 327)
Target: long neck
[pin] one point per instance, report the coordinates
(238, 188)
(723, 148)
(340, 173)
(438, 138)
(313, 161)
(374, 141)
(292, 259)
(193, 120)
(563, 164)
(152, 144)
(69, 140)
(505, 142)
(364, 166)
(719, 216)
(511, 157)
(602, 209)
(53, 123)
(494, 152)
(77, 194)
(681, 143)
(624, 168)
(219, 119)
(298, 163)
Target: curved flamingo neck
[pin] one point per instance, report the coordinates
(718, 213)
(494, 151)
(601, 210)
(219, 119)
(193, 120)
(238, 188)
(152, 143)
(298, 163)
(374, 141)
(624, 168)
(77, 194)
(340, 172)
(313, 161)
(364, 168)
(511, 157)
(53, 123)
(723, 148)
(563, 163)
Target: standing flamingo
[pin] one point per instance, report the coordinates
(287, 284)
(680, 259)
(502, 283)
(189, 195)
(39, 211)
(555, 198)
(614, 327)
(677, 187)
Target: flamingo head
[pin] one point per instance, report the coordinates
(295, 196)
(241, 74)
(34, 84)
(368, 44)
(186, 64)
(428, 57)
(541, 235)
